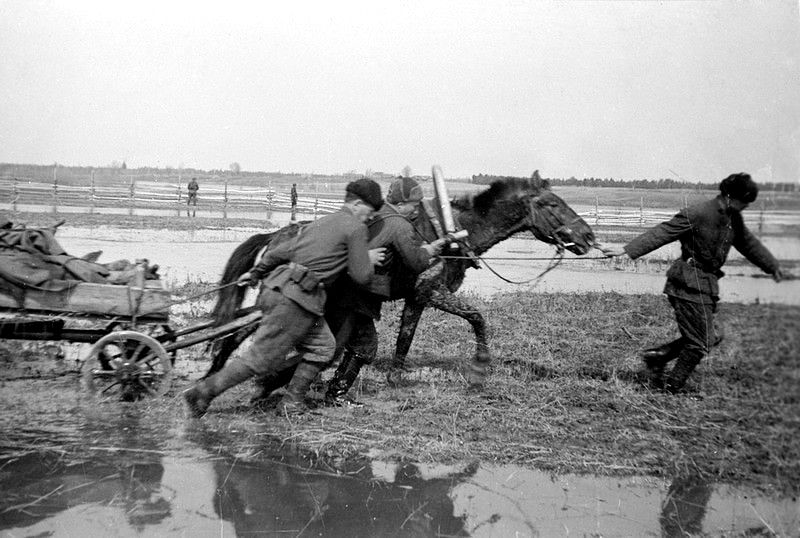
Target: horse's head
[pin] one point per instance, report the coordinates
(533, 206)
(553, 221)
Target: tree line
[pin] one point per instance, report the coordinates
(661, 184)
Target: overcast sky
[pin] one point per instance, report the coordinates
(625, 89)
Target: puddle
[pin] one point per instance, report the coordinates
(137, 491)
(72, 467)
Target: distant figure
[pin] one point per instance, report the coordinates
(294, 201)
(193, 187)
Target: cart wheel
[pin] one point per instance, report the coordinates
(127, 364)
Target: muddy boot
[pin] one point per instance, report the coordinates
(199, 397)
(684, 366)
(659, 356)
(269, 384)
(293, 401)
(343, 379)
(656, 359)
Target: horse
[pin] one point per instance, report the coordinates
(507, 207)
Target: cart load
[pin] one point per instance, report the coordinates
(37, 274)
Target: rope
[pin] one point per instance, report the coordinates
(192, 297)
(556, 259)
(525, 259)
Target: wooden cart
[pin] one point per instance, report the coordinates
(133, 347)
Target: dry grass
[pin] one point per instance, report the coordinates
(563, 395)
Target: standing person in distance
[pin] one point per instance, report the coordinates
(192, 187)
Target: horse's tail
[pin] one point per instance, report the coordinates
(230, 298)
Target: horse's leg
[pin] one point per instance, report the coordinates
(224, 347)
(445, 301)
(412, 312)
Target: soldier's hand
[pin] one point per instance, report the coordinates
(246, 280)
(436, 247)
(778, 275)
(611, 252)
(377, 255)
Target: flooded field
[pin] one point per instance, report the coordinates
(71, 466)
(200, 255)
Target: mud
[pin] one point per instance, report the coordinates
(71, 465)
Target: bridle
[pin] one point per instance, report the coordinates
(538, 208)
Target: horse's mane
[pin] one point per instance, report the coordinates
(505, 188)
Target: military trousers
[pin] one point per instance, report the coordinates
(696, 324)
(285, 327)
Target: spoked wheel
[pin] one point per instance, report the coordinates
(128, 365)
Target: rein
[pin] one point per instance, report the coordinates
(555, 261)
(190, 298)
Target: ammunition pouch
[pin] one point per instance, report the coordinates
(304, 277)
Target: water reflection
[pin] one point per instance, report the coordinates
(202, 493)
(45, 486)
(294, 494)
(301, 501)
(684, 507)
(126, 474)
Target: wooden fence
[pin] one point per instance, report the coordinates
(21, 192)
(25, 194)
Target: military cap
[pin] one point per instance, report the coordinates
(367, 190)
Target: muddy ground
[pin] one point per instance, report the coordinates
(563, 396)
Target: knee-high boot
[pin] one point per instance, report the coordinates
(343, 378)
(684, 366)
(270, 383)
(199, 397)
(294, 400)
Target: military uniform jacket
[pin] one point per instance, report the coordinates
(706, 231)
(391, 230)
(302, 268)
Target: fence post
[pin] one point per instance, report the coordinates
(761, 219)
(55, 189)
(180, 176)
(14, 195)
(596, 211)
(132, 195)
(641, 211)
(225, 203)
(316, 199)
(270, 195)
(91, 206)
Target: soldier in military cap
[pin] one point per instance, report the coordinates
(706, 231)
(354, 309)
(295, 277)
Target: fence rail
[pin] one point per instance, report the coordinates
(151, 194)
(19, 192)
